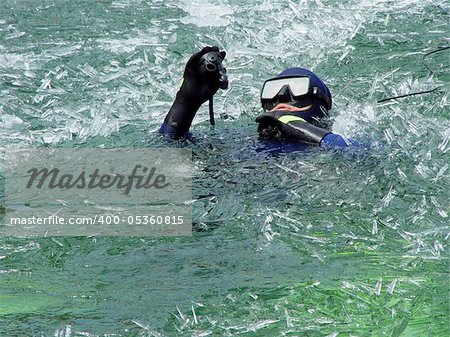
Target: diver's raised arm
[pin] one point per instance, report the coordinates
(201, 81)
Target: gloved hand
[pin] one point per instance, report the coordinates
(200, 86)
(278, 124)
(197, 88)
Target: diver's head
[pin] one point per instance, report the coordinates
(297, 91)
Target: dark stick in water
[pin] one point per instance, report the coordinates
(211, 112)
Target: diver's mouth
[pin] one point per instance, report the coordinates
(288, 107)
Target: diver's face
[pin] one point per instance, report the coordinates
(288, 107)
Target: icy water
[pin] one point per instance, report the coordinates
(322, 243)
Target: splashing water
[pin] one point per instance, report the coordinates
(316, 244)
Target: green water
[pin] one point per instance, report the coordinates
(322, 243)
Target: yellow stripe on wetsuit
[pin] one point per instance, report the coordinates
(290, 118)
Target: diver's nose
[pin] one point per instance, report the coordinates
(285, 94)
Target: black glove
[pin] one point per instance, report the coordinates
(277, 124)
(197, 88)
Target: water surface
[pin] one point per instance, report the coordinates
(322, 243)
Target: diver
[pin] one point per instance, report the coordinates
(293, 102)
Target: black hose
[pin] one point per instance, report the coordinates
(407, 95)
(432, 52)
(211, 112)
(420, 92)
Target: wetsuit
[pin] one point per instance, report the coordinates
(275, 145)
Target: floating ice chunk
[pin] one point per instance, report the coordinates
(389, 196)
(377, 290)
(443, 146)
(121, 4)
(347, 50)
(14, 61)
(122, 72)
(12, 122)
(252, 327)
(129, 45)
(443, 213)
(440, 172)
(423, 170)
(46, 84)
(203, 13)
(391, 286)
(374, 227)
(14, 35)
